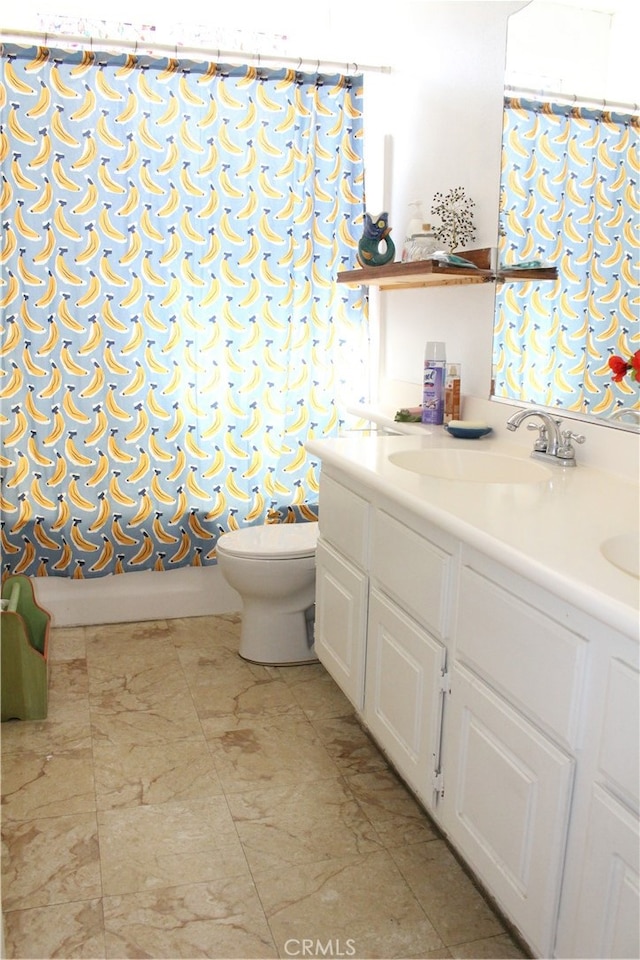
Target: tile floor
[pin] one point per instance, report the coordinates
(180, 802)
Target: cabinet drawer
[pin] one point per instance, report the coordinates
(412, 570)
(533, 660)
(619, 748)
(344, 520)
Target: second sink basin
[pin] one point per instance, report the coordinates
(474, 466)
(623, 552)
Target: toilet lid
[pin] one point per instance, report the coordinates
(276, 541)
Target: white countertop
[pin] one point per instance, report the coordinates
(549, 531)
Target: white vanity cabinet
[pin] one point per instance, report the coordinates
(342, 587)
(600, 908)
(406, 665)
(511, 732)
(512, 714)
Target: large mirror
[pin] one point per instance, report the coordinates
(569, 198)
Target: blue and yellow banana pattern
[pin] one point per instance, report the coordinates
(569, 197)
(173, 334)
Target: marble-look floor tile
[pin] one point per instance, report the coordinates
(396, 815)
(240, 694)
(215, 663)
(66, 931)
(338, 847)
(442, 953)
(67, 643)
(67, 727)
(362, 906)
(68, 682)
(140, 701)
(135, 683)
(502, 947)
(120, 642)
(207, 634)
(348, 745)
(447, 894)
(318, 695)
(223, 918)
(297, 673)
(36, 785)
(169, 723)
(131, 774)
(299, 823)
(55, 860)
(282, 750)
(143, 848)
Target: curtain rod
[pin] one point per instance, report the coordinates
(178, 51)
(570, 98)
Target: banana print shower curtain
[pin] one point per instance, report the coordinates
(569, 197)
(172, 329)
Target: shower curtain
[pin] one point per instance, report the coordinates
(173, 332)
(569, 197)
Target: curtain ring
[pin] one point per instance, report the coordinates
(299, 63)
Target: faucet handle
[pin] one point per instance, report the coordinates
(541, 444)
(565, 450)
(568, 436)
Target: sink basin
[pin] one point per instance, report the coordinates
(473, 466)
(623, 552)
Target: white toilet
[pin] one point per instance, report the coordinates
(272, 567)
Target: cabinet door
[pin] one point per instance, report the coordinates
(341, 621)
(403, 700)
(507, 790)
(608, 917)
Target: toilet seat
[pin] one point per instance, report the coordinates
(271, 541)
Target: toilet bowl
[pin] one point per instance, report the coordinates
(272, 567)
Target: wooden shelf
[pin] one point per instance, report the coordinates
(432, 273)
(507, 275)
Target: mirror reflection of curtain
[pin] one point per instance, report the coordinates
(569, 197)
(173, 332)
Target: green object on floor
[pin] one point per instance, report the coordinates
(24, 638)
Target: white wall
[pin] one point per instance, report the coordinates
(442, 105)
(586, 48)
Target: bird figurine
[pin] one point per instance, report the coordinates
(376, 232)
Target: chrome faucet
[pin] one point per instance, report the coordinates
(552, 443)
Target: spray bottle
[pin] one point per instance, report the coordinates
(435, 364)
